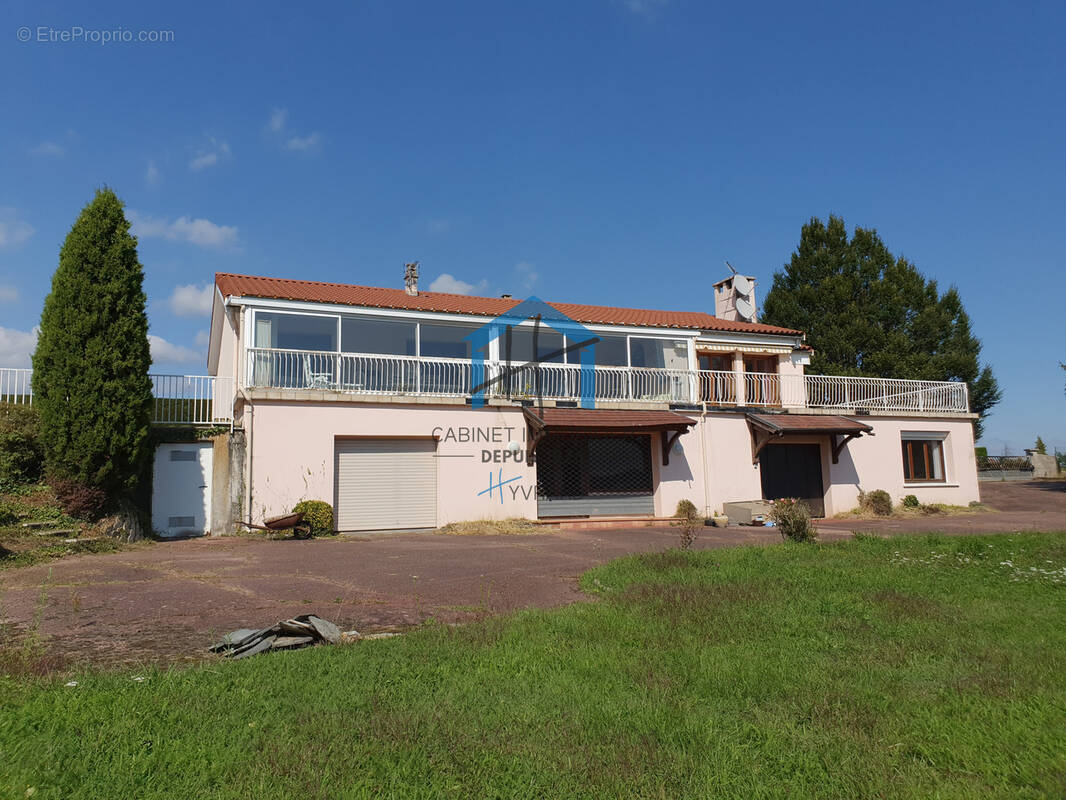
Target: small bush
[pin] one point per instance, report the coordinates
(78, 500)
(932, 508)
(20, 448)
(911, 501)
(878, 501)
(686, 509)
(793, 520)
(317, 513)
(8, 515)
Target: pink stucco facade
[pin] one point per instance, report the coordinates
(291, 445)
(291, 454)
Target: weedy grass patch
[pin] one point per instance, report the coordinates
(907, 668)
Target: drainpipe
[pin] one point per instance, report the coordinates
(250, 417)
(703, 460)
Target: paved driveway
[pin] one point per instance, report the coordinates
(169, 600)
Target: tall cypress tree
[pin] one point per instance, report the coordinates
(869, 313)
(90, 369)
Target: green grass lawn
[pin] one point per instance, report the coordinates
(904, 668)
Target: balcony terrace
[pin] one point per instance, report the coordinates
(207, 400)
(358, 374)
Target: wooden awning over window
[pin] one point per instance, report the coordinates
(841, 430)
(668, 424)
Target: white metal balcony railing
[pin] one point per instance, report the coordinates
(178, 399)
(376, 374)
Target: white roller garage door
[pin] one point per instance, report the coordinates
(385, 484)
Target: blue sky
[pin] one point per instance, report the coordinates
(601, 151)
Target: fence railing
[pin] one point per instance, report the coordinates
(192, 400)
(16, 386)
(354, 373)
(177, 399)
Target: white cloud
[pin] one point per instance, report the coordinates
(201, 232)
(527, 275)
(13, 231)
(191, 300)
(202, 338)
(278, 118)
(452, 285)
(152, 175)
(8, 293)
(16, 347)
(51, 149)
(303, 143)
(164, 352)
(209, 156)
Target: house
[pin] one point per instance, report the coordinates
(408, 409)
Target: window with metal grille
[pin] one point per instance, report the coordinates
(182, 455)
(583, 465)
(181, 522)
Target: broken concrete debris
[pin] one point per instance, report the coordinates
(289, 634)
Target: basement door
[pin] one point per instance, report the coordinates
(793, 470)
(587, 475)
(385, 484)
(181, 489)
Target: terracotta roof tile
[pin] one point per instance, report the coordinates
(375, 297)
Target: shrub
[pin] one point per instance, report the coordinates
(317, 513)
(686, 509)
(793, 520)
(20, 448)
(8, 515)
(911, 501)
(79, 500)
(878, 501)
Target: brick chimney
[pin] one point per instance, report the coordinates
(410, 278)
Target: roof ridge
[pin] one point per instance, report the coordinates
(447, 302)
(422, 293)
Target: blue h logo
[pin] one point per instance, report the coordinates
(577, 339)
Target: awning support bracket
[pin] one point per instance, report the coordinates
(668, 439)
(840, 442)
(759, 440)
(536, 430)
